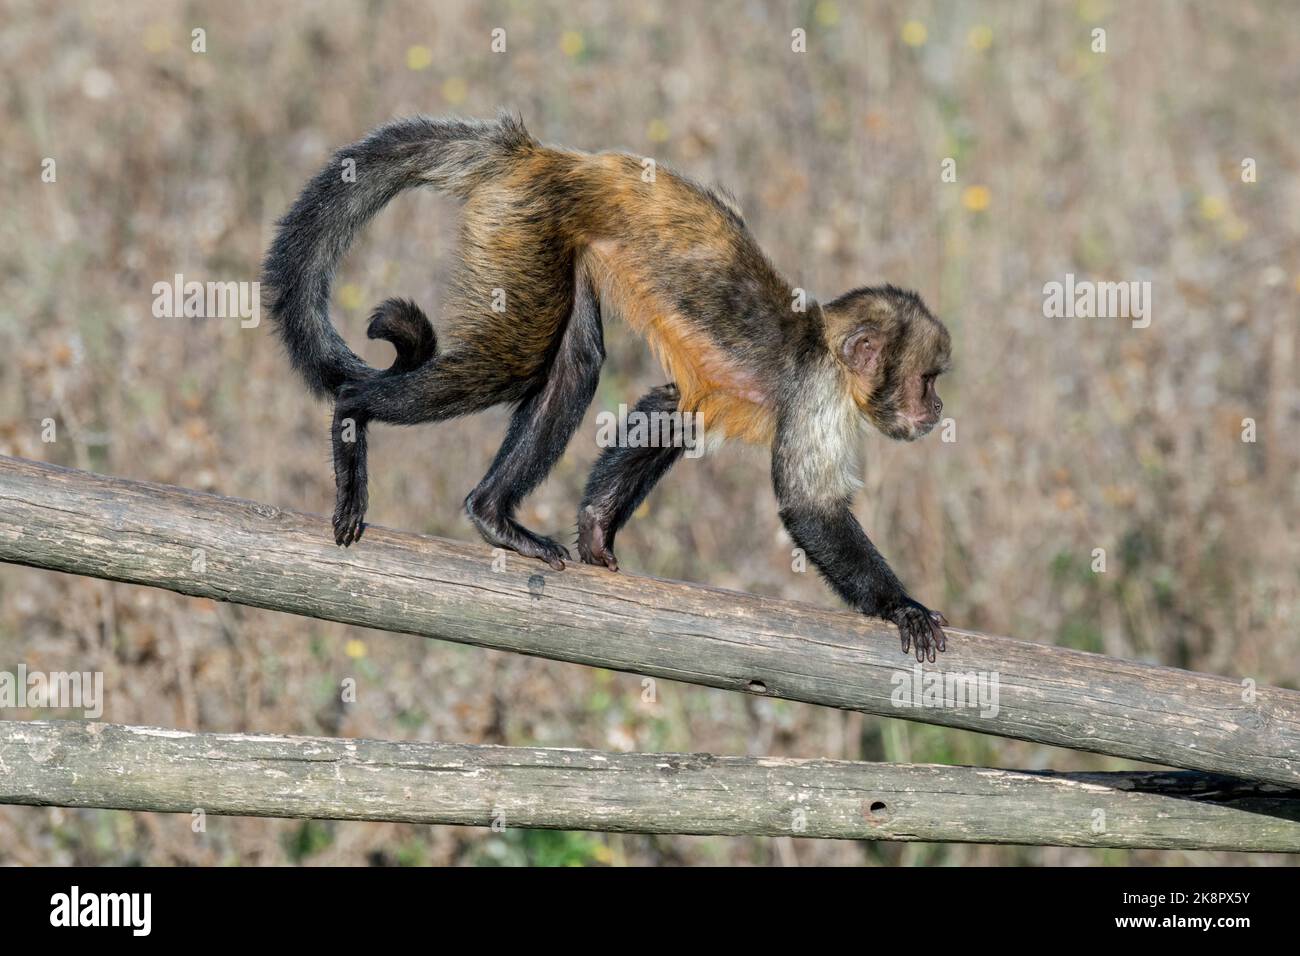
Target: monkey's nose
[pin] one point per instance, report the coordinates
(938, 406)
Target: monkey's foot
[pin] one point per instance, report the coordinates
(919, 627)
(349, 514)
(502, 532)
(595, 544)
(348, 444)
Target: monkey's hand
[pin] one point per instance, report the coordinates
(919, 627)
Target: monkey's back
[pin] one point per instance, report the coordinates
(672, 258)
(679, 265)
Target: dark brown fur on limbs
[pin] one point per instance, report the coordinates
(551, 236)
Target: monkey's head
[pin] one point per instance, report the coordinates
(892, 350)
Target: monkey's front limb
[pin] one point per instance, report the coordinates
(850, 563)
(810, 471)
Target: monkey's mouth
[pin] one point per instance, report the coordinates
(914, 428)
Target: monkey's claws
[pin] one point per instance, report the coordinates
(920, 628)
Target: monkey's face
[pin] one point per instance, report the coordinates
(894, 351)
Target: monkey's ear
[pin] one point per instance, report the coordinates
(859, 350)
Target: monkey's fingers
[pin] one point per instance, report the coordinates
(936, 632)
(911, 637)
(916, 627)
(918, 638)
(939, 618)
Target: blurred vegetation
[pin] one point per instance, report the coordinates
(1072, 434)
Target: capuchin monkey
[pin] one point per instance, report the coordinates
(549, 238)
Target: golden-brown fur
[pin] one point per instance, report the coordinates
(553, 239)
(562, 206)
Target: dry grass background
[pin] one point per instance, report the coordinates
(1072, 434)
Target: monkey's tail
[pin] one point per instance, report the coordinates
(404, 323)
(451, 155)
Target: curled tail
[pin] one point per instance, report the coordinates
(450, 155)
(404, 323)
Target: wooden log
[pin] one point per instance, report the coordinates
(254, 554)
(72, 764)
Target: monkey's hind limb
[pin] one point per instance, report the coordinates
(549, 407)
(404, 324)
(621, 479)
(540, 429)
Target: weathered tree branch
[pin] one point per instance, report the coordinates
(72, 764)
(254, 554)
